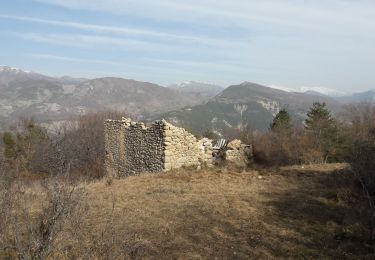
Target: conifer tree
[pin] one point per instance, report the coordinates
(282, 123)
(319, 118)
(280, 136)
(323, 129)
(22, 143)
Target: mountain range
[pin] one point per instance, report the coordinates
(367, 96)
(24, 94)
(246, 105)
(194, 105)
(204, 89)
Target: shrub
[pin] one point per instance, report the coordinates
(363, 188)
(81, 144)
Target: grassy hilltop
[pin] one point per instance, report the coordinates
(217, 213)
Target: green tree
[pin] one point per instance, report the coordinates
(280, 136)
(323, 130)
(23, 142)
(319, 118)
(282, 123)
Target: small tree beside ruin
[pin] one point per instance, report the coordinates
(322, 131)
(22, 144)
(281, 131)
(282, 124)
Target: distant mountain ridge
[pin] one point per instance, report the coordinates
(196, 106)
(24, 94)
(203, 89)
(246, 105)
(367, 96)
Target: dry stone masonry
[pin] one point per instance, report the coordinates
(183, 149)
(238, 153)
(132, 148)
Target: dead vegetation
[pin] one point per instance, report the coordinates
(55, 204)
(214, 213)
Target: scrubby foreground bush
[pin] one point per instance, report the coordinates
(75, 148)
(49, 219)
(363, 184)
(362, 161)
(32, 231)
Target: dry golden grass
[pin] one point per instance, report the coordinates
(218, 213)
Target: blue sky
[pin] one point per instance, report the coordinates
(299, 44)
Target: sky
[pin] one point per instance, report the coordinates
(295, 44)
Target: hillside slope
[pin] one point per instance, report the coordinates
(367, 96)
(203, 89)
(247, 104)
(24, 94)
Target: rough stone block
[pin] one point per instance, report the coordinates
(167, 133)
(168, 153)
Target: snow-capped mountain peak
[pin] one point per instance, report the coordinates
(205, 89)
(13, 70)
(325, 91)
(321, 90)
(287, 89)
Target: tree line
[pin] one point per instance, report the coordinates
(319, 139)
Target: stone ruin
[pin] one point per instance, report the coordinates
(132, 148)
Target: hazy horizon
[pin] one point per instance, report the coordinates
(291, 45)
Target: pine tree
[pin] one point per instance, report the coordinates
(323, 130)
(319, 118)
(280, 136)
(282, 123)
(23, 142)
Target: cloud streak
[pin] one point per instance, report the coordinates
(91, 41)
(72, 59)
(285, 14)
(290, 43)
(130, 31)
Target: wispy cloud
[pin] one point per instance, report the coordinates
(290, 43)
(130, 31)
(72, 59)
(289, 13)
(222, 66)
(147, 64)
(152, 63)
(93, 41)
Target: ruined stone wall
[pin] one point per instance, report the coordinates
(183, 149)
(238, 153)
(206, 155)
(132, 148)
